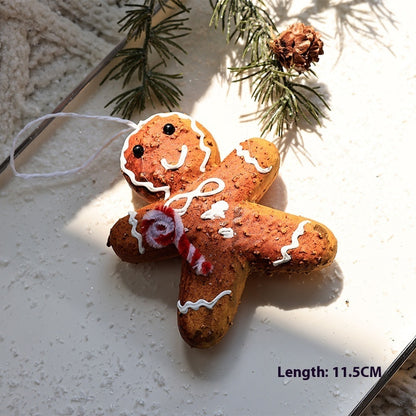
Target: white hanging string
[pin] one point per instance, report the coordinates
(131, 124)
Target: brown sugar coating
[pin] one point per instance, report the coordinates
(208, 214)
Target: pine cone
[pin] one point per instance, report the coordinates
(297, 47)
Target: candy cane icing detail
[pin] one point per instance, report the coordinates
(134, 232)
(189, 196)
(163, 226)
(217, 211)
(247, 157)
(201, 302)
(148, 185)
(180, 162)
(294, 244)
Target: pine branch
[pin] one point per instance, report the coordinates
(135, 21)
(133, 59)
(163, 37)
(161, 40)
(278, 81)
(281, 78)
(243, 20)
(283, 95)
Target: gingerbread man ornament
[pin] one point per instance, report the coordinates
(206, 211)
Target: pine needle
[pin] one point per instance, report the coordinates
(134, 65)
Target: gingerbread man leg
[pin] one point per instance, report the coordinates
(203, 321)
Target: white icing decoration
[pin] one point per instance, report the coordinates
(294, 244)
(180, 162)
(201, 302)
(134, 232)
(195, 128)
(149, 185)
(246, 155)
(226, 232)
(195, 193)
(217, 211)
(202, 145)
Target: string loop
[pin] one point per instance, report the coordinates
(131, 126)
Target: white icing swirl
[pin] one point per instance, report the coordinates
(134, 232)
(226, 232)
(189, 196)
(217, 211)
(201, 302)
(180, 162)
(294, 244)
(247, 157)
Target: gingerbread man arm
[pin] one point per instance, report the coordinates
(130, 245)
(281, 242)
(249, 170)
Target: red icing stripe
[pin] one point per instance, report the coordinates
(167, 210)
(206, 268)
(145, 226)
(197, 255)
(184, 246)
(165, 240)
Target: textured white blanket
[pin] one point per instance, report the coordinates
(46, 47)
(398, 396)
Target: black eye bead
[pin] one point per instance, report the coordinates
(169, 129)
(138, 151)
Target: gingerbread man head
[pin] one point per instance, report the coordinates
(165, 154)
(208, 213)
